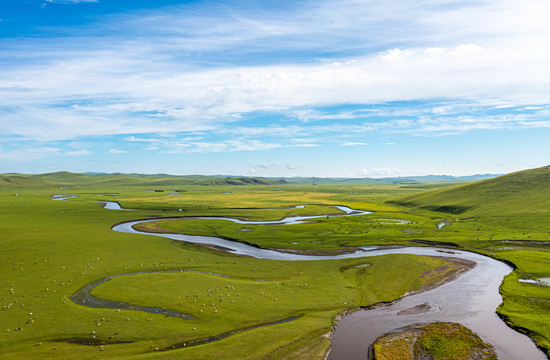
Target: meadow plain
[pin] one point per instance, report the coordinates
(243, 307)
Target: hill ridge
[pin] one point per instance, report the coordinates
(525, 191)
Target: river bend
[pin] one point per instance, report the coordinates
(471, 299)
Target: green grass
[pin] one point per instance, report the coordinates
(507, 218)
(451, 342)
(438, 341)
(52, 248)
(324, 233)
(527, 306)
(524, 192)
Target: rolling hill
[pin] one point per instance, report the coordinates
(22, 181)
(239, 181)
(69, 179)
(521, 192)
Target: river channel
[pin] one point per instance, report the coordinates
(470, 300)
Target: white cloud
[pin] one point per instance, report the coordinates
(307, 116)
(427, 124)
(177, 145)
(404, 172)
(354, 144)
(202, 101)
(306, 145)
(272, 168)
(116, 151)
(276, 130)
(382, 172)
(451, 51)
(231, 146)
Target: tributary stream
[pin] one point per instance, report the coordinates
(470, 300)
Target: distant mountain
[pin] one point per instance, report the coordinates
(445, 178)
(239, 181)
(69, 179)
(390, 180)
(520, 192)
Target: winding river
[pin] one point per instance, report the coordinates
(471, 299)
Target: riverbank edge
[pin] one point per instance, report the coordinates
(467, 266)
(523, 330)
(527, 332)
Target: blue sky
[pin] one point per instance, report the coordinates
(349, 88)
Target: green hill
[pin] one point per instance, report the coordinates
(521, 192)
(239, 181)
(409, 180)
(68, 179)
(22, 181)
(61, 176)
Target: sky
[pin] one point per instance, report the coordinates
(350, 88)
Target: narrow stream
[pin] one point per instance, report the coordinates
(471, 299)
(84, 296)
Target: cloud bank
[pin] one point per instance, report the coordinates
(210, 77)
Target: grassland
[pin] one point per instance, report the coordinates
(438, 341)
(506, 218)
(52, 248)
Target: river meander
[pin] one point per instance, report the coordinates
(470, 300)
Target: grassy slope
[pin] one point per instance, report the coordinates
(507, 218)
(21, 181)
(49, 249)
(524, 192)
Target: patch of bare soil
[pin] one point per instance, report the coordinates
(152, 227)
(458, 267)
(418, 309)
(341, 251)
